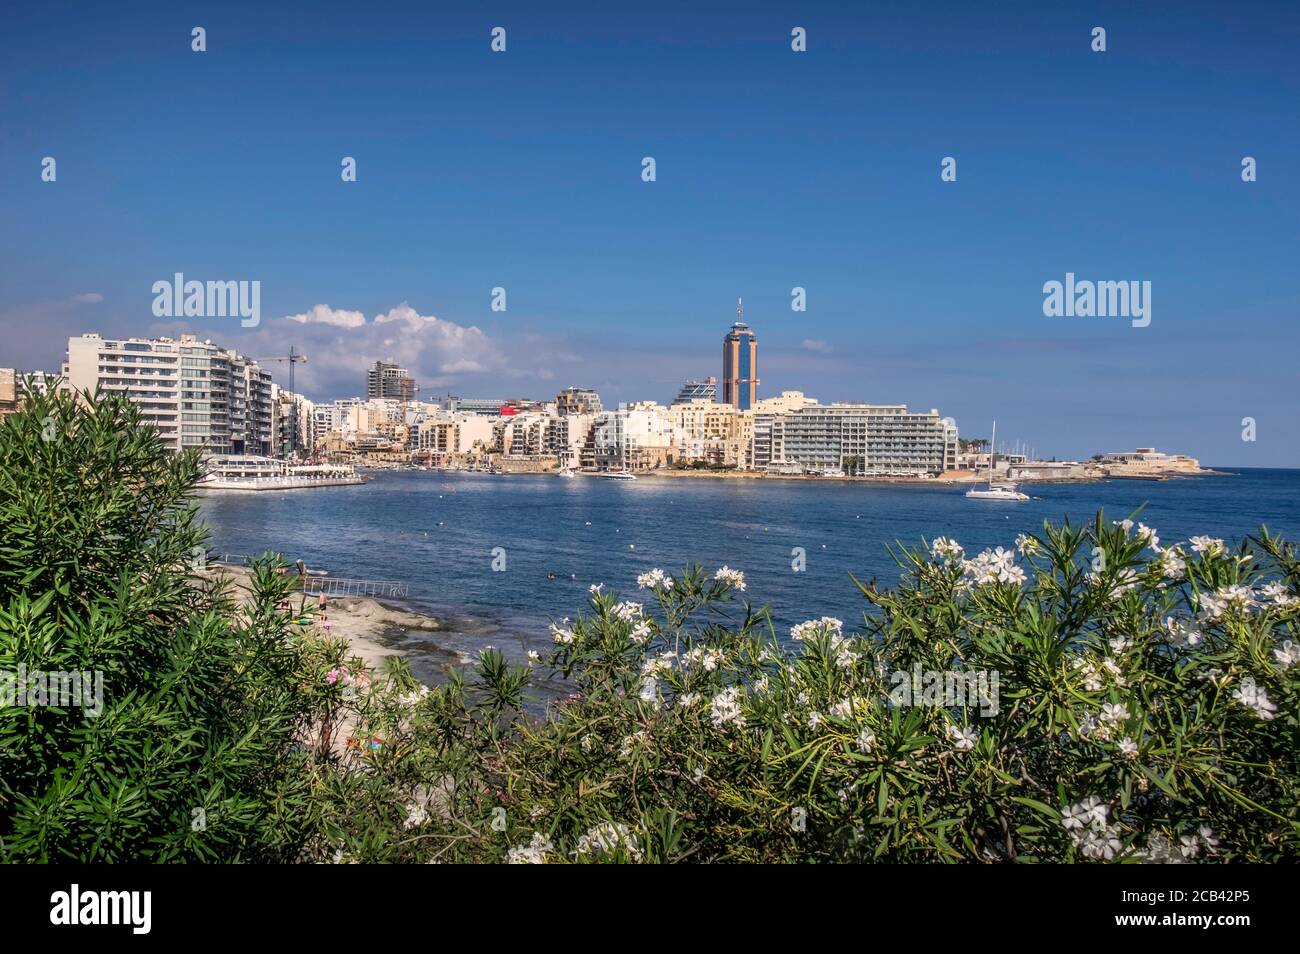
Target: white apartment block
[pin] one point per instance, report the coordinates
(543, 435)
(454, 434)
(716, 433)
(197, 395)
(635, 437)
(295, 422)
(861, 440)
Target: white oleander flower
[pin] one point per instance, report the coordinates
(1276, 594)
(1208, 840)
(1125, 523)
(1172, 564)
(414, 698)
(631, 743)
(1089, 673)
(534, 657)
(1027, 545)
(866, 739)
(561, 633)
(816, 627)
(963, 738)
(815, 719)
(1148, 536)
(1123, 581)
(688, 699)
(1090, 812)
(993, 566)
(946, 549)
(1252, 695)
(608, 837)
(650, 691)
(641, 632)
(1288, 655)
(654, 579)
(626, 611)
(725, 709)
(732, 578)
(533, 853)
(1114, 713)
(1099, 844)
(845, 658)
(845, 708)
(1128, 748)
(657, 666)
(595, 587)
(1161, 851)
(1212, 546)
(1183, 632)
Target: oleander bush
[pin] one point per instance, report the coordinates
(1130, 702)
(1089, 695)
(193, 750)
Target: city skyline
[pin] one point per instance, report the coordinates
(775, 170)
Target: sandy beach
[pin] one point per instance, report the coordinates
(372, 629)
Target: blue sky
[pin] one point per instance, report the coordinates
(775, 169)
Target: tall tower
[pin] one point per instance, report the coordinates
(740, 363)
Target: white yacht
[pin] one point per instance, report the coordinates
(618, 475)
(1001, 491)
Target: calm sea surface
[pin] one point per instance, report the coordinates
(436, 532)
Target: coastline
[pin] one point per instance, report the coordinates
(373, 630)
(949, 479)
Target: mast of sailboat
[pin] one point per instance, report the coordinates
(993, 453)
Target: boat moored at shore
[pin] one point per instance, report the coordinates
(269, 473)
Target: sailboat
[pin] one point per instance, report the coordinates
(1002, 491)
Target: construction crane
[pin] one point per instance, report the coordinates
(293, 358)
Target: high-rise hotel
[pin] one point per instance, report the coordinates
(740, 364)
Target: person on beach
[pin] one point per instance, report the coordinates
(321, 604)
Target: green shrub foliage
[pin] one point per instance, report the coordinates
(1090, 695)
(192, 752)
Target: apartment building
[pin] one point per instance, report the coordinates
(861, 440)
(454, 434)
(8, 392)
(706, 390)
(718, 434)
(385, 379)
(295, 422)
(637, 436)
(578, 401)
(765, 412)
(197, 395)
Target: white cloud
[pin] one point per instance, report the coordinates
(813, 344)
(88, 298)
(340, 344)
(325, 315)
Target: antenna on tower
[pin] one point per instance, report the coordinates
(740, 310)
